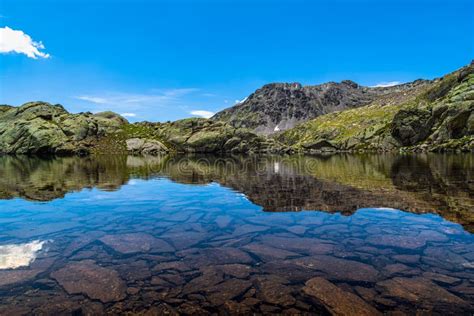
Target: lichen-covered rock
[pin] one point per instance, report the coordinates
(145, 146)
(411, 126)
(40, 127)
(432, 116)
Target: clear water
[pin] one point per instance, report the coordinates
(237, 235)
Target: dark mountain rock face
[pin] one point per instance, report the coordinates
(280, 106)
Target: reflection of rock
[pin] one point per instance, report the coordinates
(336, 300)
(92, 280)
(138, 242)
(13, 256)
(417, 183)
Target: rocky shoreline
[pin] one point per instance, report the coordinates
(423, 116)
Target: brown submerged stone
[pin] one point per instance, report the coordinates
(419, 291)
(311, 246)
(339, 269)
(227, 290)
(135, 243)
(274, 291)
(16, 276)
(336, 300)
(267, 253)
(88, 278)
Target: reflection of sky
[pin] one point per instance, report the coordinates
(93, 208)
(14, 256)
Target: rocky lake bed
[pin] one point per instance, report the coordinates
(237, 235)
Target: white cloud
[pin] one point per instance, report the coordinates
(128, 114)
(386, 84)
(15, 41)
(205, 114)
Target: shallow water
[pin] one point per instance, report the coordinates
(198, 235)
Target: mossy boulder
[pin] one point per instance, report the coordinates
(410, 126)
(40, 127)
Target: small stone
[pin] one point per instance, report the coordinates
(227, 290)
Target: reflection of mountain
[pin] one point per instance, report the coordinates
(440, 184)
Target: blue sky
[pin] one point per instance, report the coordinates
(162, 60)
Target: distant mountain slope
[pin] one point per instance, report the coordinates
(438, 116)
(281, 106)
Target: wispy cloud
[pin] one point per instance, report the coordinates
(96, 100)
(16, 41)
(210, 95)
(157, 97)
(154, 104)
(386, 84)
(202, 113)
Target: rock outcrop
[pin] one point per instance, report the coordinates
(280, 106)
(43, 128)
(197, 135)
(435, 116)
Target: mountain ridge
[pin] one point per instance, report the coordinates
(424, 115)
(280, 106)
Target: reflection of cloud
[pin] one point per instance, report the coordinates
(14, 256)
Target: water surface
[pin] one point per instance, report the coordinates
(203, 235)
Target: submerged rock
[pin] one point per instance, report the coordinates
(136, 242)
(86, 277)
(336, 300)
(339, 269)
(419, 291)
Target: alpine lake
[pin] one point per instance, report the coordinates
(340, 234)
